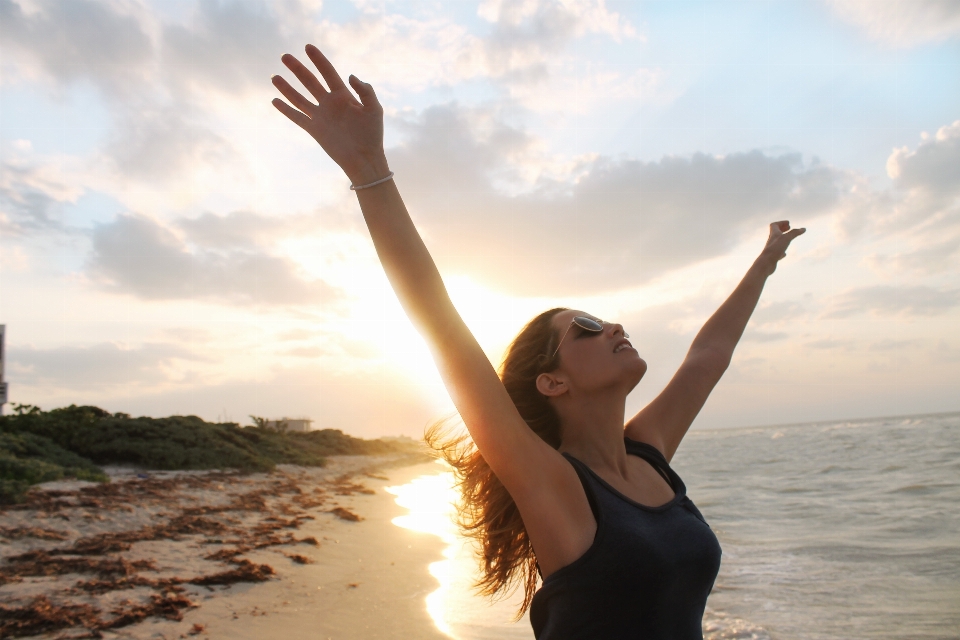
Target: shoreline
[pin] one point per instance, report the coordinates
(297, 553)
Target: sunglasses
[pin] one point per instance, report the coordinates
(589, 325)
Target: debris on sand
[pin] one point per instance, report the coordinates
(99, 587)
(343, 486)
(227, 554)
(15, 533)
(246, 571)
(41, 616)
(238, 514)
(169, 606)
(299, 559)
(43, 563)
(345, 514)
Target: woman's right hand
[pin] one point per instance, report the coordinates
(351, 132)
(781, 235)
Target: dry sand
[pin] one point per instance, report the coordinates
(221, 555)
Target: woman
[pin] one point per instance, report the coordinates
(553, 480)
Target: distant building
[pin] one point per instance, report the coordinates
(290, 424)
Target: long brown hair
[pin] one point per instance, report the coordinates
(486, 512)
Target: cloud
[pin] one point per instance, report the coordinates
(526, 35)
(76, 367)
(831, 344)
(902, 23)
(159, 143)
(24, 208)
(922, 210)
(613, 223)
(230, 46)
(244, 229)
(522, 49)
(889, 300)
(894, 345)
(137, 256)
(78, 39)
(777, 313)
(930, 169)
(367, 403)
(756, 335)
(32, 198)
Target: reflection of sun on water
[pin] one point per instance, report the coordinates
(454, 607)
(430, 500)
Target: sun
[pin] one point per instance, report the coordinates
(493, 318)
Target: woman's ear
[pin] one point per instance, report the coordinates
(550, 385)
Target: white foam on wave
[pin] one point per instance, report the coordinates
(718, 625)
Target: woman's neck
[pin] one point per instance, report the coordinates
(592, 431)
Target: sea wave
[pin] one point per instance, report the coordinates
(718, 625)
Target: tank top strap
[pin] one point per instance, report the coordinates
(638, 448)
(656, 459)
(586, 479)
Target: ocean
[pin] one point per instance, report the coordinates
(830, 531)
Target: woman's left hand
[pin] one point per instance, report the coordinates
(781, 235)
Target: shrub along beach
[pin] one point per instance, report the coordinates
(40, 446)
(110, 522)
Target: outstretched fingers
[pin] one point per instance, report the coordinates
(326, 69)
(305, 76)
(291, 94)
(297, 117)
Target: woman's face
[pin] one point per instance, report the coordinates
(596, 360)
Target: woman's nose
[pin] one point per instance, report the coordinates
(618, 328)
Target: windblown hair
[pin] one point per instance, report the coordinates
(486, 512)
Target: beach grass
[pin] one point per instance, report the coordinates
(74, 442)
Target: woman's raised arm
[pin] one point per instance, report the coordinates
(351, 132)
(665, 421)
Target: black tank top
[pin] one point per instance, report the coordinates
(647, 574)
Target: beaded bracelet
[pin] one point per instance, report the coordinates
(372, 184)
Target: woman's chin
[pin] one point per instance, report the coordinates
(637, 371)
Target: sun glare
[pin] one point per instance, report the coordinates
(454, 606)
(430, 501)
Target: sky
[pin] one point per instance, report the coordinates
(172, 245)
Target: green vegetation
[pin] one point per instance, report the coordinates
(26, 459)
(38, 446)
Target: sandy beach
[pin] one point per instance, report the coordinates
(296, 553)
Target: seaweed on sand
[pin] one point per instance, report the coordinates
(246, 571)
(41, 615)
(15, 533)
(241, 515)
(346, 514)
(43, 563)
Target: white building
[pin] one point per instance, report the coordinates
(290, 424)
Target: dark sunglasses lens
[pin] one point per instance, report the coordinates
(588, 324)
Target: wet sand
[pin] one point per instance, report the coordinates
(297, 553)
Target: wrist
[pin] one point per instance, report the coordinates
(765, 264)
(368, 170)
